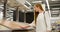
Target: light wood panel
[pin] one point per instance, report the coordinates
(12, 24)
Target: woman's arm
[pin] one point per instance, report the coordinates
(32, 24)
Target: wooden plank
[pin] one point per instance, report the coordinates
(13, 24)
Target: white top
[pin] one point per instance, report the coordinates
(41, 25)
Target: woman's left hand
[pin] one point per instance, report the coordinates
(48, 30)
(24, 27)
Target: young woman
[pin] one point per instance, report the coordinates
(42, 19)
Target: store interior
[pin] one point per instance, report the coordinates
(16, 13)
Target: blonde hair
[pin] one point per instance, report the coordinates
(39, 5)
(36, 13)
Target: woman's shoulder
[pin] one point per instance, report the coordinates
(46, 11)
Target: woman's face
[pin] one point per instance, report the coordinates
(36, 9)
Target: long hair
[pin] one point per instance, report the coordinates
(36, 13)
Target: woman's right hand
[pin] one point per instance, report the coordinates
(48, 30)
(24, 27)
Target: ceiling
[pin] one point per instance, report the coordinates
(20, 3)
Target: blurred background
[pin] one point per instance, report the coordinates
(22, 11)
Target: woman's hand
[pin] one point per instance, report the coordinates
(48, 30)
(24, 27)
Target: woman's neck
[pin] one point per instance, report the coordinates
(41, 11)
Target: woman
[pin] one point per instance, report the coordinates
(42, 19)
